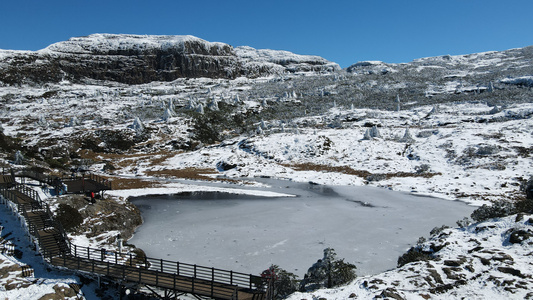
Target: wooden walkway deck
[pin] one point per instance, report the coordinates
(75, 184)
(180, 278)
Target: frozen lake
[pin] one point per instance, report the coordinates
(367, 226)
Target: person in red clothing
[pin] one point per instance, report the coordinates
(92, 197)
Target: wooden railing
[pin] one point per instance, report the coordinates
(36, 204)
(170, 267)
(189, 278)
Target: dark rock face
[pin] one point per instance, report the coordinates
(135, 59)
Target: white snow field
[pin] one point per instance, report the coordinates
(368, 226)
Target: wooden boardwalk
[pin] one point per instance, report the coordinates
(178, 278)
(75, 184)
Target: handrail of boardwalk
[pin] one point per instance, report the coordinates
(206, 281)
(104, 183)
(37, 204)
(165, 266)
(195, 279)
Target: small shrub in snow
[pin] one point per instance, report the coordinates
(367, 135)
(529, 188)
(486, 150)
(68, 216)
(423, 168)
(437, 230)
(374, 132)
(328, 272)
(284, 283)
(407, 138)
(376, 177)
(415, 253)
(137, 125)
(463, 223)
(496, 210)
(19, 159)
(426, 133)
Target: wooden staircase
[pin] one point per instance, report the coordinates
(176, 277)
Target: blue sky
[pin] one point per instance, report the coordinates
(341, 31)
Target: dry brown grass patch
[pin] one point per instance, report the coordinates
(324, 168)
(359, 173)
(133, 183)
(188, 173)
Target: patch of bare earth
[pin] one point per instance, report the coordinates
(121, 183)
(359, 173)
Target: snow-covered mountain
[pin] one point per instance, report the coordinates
(134, 59)
(159, 107)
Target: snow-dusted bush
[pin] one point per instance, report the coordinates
(73, 122)
(498, 209)
(423, 168)
(19, 159)
(407, 138)
(367, 135)
(68, 216)
(526, 205)
(328, 272)
(284, 283)
(426, 133)
(529, 188)
(416, 253)
(137, 125)
(200, 109)
(374, 132)
(487, 150)
(167, 115)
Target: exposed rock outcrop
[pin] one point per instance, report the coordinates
(135, 59)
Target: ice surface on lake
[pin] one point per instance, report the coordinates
(369, 227)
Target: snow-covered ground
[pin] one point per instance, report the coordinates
(466, 151)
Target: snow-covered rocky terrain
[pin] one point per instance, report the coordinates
(145, 110)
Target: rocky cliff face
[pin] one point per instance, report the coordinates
(134, 59)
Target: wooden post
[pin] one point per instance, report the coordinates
(212, 280)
